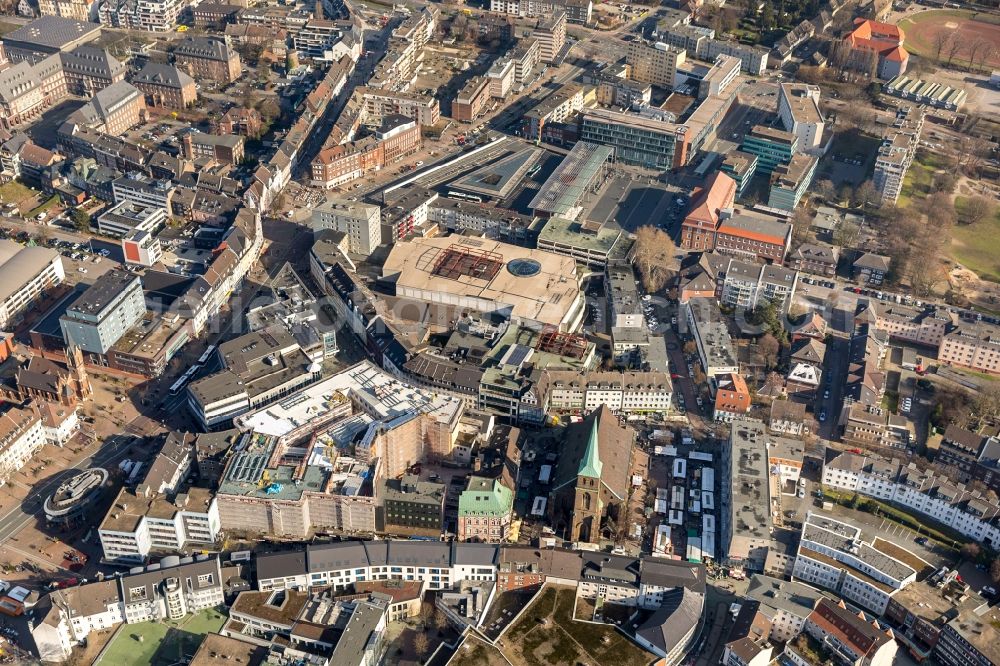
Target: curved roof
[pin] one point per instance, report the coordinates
(19, 265)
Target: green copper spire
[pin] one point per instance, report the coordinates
(591, 464)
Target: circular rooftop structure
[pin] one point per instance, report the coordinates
(524, 267)
(71, 499)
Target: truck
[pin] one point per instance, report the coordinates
(545, 475)
(11, 607)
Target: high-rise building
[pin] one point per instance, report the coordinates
(101, 316)
(895, 155)
(361, 222)
(798, 107)
(654, 63)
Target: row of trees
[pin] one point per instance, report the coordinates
(977, 52)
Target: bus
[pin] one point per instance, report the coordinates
(452, 194)
(208, 353)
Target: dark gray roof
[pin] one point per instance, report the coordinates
(52, 32)
(365, 619)
(17, 80)
(103, 291)
(144, 586)
(106, 101)
(281, 564)
(662, 572)
(482, 554)
(671, 622)
(333, 556)
(91, 61)
(162, 75)
(203, 47)
(419, 553)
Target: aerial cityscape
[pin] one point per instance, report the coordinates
(500, 332)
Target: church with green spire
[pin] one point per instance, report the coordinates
(590, 484)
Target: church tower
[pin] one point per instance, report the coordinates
(78, 373)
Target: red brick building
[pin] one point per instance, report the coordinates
(698, 229)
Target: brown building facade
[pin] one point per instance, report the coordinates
(208, 58)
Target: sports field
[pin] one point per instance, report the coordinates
(161, 643)
(973, 31)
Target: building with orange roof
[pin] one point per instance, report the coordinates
(732, 397)
(753, 236)
(873, 40)
(698, 229)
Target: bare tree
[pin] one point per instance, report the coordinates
(941, 41)
(975, 47)
(826, 189)
(846, 234)
(768, 347)
(970, 551)
(940, 212)
(978, 208)
(654, 256)
(954, 46)
(986, 404)
(865, 194)
(421, 644)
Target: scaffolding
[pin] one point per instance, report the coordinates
(553, 341)
(458, 262)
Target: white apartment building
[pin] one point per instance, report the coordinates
(149, 15)
(25, 274)
(968, 512)
(501, 78)
(622, 392)
(895, 155)
(654, 63)
(380, 103)
(833, 555)
(798, 108)
(172, 589)
(127, 216)
(361, 222)
(136, 526)
(21, 435)
(748, 285)
(177, 588)
(74, 614)
(142, 191)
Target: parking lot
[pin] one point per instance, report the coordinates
(630, 200)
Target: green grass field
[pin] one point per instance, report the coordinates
(563, 640)
(15, 192)
(977, 246)
(920, 178)
(162, 643)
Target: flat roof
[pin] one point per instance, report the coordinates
(53, 33)
(547, 294)
(572, 179)
(749, 482)
(104, 290)
(498, 179)
(382, 395)
(19, 265)
(590, 237)
(219, 650)
(802, 102)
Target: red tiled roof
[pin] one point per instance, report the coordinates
(718, 192)
(898, 54)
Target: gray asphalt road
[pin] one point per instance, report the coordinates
(31, 508)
